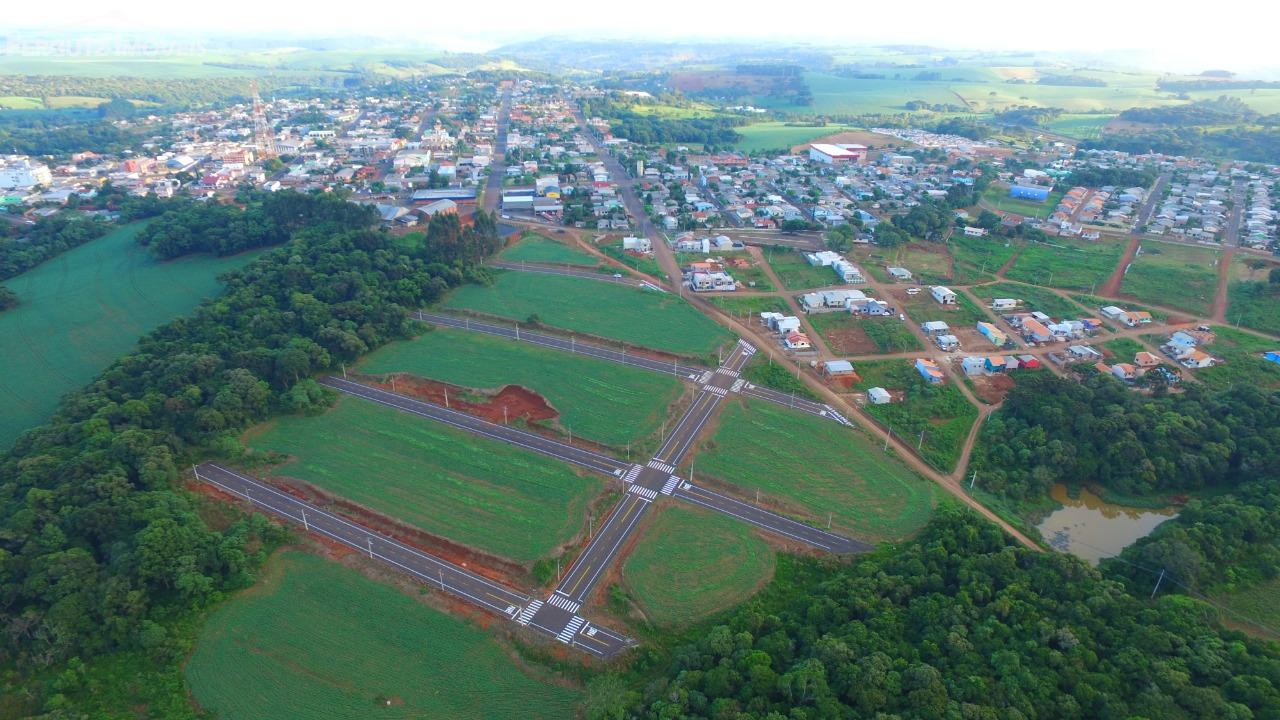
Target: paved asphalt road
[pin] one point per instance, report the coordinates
(577, 584)
(430, 570)
(568, 272)
(769, 521)
(505, 433)
(498, 163)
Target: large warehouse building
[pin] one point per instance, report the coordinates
(1029, 192)
(832, 154)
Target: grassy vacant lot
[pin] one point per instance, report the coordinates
(998, 197)
(1180, 277)
(928, 262)
(1242, 352)
(85, 308)
(641, 317)
(317, 640)
(1255, 305)
(1066, 263)
(811, 467)
(1123, 349)
(765, 373)
(479, 492)
(887, 334)
(1257, 603)
(535, 248)
(647, 265)
(1032, 297)
(691, 563)
(780, 136)
(922, 308)
(745, 305)
(976, 258)
(796, 273)
(941, 411)
(598, 400)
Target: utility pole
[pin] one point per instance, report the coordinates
(446, 397)
(921, 442)
(305, 526)
(973, 479)
(829, 520)
(393, 383)
(1157, 587)
(344, 371)
(370, 548)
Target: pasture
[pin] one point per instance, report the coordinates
(82, 310)
(691, 563)
(1066, 263)
(535, 248)
(1253, 301)
(1176, 276)
(941, 412)
(1080, 126)
(598, 400)
(809, 467)
(483, 493)
(645, 318)
(314, 640)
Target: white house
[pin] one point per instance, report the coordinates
(943, 295)
(637, 244)
(879, 396)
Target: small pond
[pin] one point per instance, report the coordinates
(1090, 528)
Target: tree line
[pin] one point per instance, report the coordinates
(101, 548)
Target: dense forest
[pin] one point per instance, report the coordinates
(28, 246)
(648, 129)
(955, 624)
(1094, 176)
(61, 134)
(101, 549)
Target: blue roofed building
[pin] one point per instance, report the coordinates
(1029, 192)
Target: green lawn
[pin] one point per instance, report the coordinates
(1242, 352)
(479, 492)
(315, 640)
(941, 411)
(810, 467)
(1123, 349)
(82, 310)
(748, 305)
(535, 248)
(1066, 263)
(1254, 305)
(922, 308)
(928, 262)
(998, 197)
(764, 372)
(1032, 297)
(599, 400)
(796, 273)
(691, 563)
(645, 318)
(1080, 126)
(1176, 276)
(891, 335)
(780, 136)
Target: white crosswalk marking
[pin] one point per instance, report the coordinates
(670, 486)
(528, 612)
(563, 602)
(566, 635)
(727, 371)
(662, 467)
(737, 385)
(643, 492)
(632, 474)
(715, 390)
(705, 378)
(747, 348)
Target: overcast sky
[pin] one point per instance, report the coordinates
(1178, 35)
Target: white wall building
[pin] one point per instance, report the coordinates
(17, 172)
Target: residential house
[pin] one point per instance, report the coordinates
(1197, 359)
(943, 295)
(1028, 362)
(1179, 344)
(1034, 331)
(973, 366)
(899, 273)
(993, 334)
(947, 343)
(1136, 318)
(934, 327)
(879, 396)
(1124, 371)
(930, 371)
(1004, 303)
(797, 341)
(1083, 352)
(999, 363)
(1145, 360)
(837, 368)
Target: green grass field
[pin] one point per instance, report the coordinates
(1032, 297)
(811, 467)
(1066, 263)
(888, 334)
(647, 265)
(315, 640)
(1254, 305)
(1242, 352)
(645, 318)
(535, 248)
(1257, 603)
(1176, 276)
(690, 564)
(940, 411)
(82, 310)
(1123, 349)
(978, 258)
(483, 493)
(599, 400)
(751, 278)
(780, 136)
(748, 305)
(922, 308)
(1080, 126)
(999, 199)
(796, 273)
(927, 262)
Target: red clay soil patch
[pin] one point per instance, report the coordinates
(992, 388)
(850, 340)
(846, 382)
(517, 402)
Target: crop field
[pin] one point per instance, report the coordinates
(1032, 297)
(479, 492)
(317, 641)
(977, 258)
(82, 310)
(535, 248)
(690, 564)
(940, 411)
(1244, 365)
(599, 400)
(808, 467)
(796, 273)
(999, 199)
(1177, 276)
(645, 318)
(1066, 263)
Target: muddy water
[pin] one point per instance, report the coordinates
(1092, 529)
